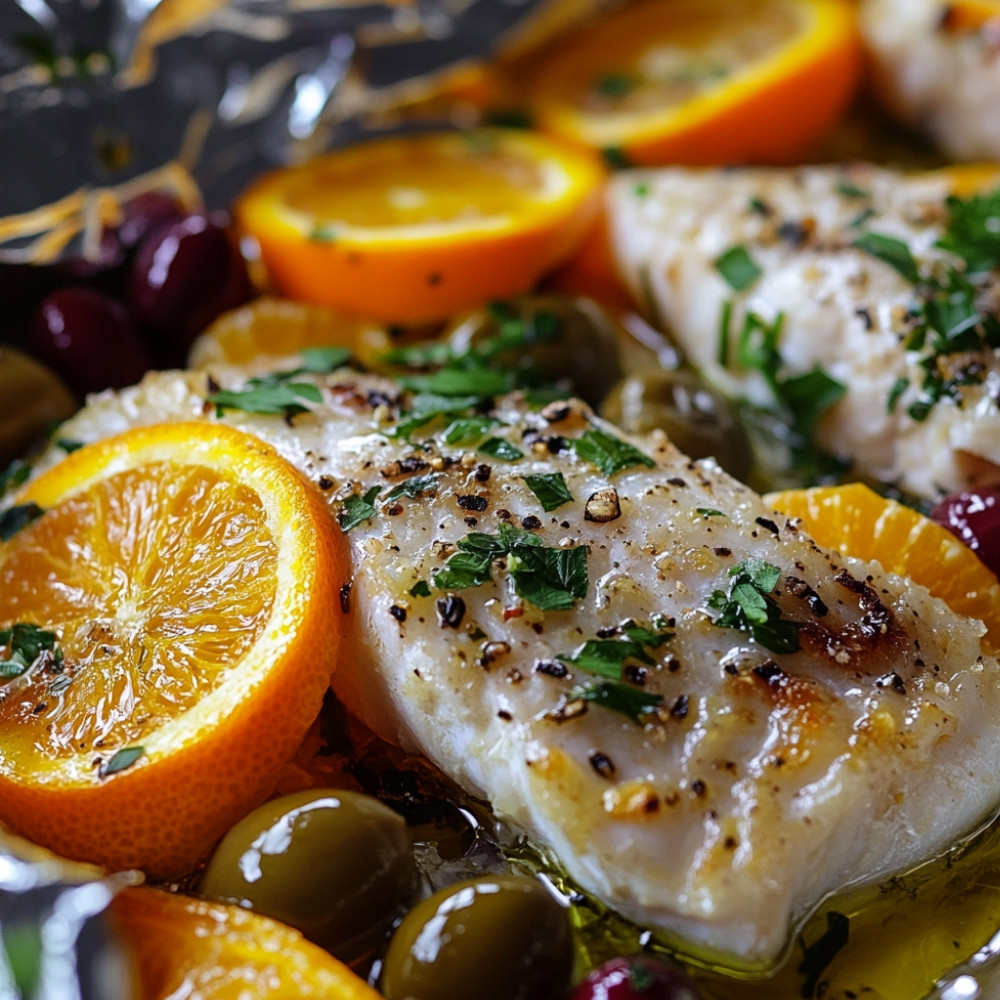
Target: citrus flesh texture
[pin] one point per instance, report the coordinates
(857, 521)
(702, 82)
(414, 229)
(189, 577)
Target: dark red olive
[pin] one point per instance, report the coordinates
(89, 339)
(146, 213)
(184, 275)
(974, 516)
(638, 977)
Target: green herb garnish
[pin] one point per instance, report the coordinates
(501, 448)
(738, 268)
(412, 488)
(619, 697)
(550, 489)
(468, 430)
(610, 454)
(420, 589)
(13, 519)
(890, 251)
(26, 643)
(123, 759)
(14, 475)
(358, 509)
(268, 395)
(748, 606)
(616, 84)
(607, 656)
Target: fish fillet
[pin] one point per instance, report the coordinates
(698, 781)
(839, 308)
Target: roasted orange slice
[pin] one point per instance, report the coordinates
(856, 521)
(414, 229)
(701, 81)
(168, 627)
(184, 947)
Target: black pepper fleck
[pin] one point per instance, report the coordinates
(398, 613)
(471, 501)
(451, 610)
(602, 764)
(531, 522)
(345, 598)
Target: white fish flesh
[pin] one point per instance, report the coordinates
(831, 306)
(706, 779)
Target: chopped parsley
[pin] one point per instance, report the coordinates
(973, 231)
(550, 489)
(468, 430)
(616, 158)
(411, 488)
(890, 251)
(13, 519)
(748, 606)
(616, 84)
(607, 656)
(709, 512)
(610, 454)
(25, 642)
(323, 233)
(420, 589)
(851, 190)
(14, 475)
(501, 448)
(122, 759)
(618, 697)
(358, 509)
(68, 445)
(551, 579)
(738, 268)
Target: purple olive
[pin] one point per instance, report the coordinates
(638, 977)
(183, 276)
(974, 517)
(89, 339)
(146, 213)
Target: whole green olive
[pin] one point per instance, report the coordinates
(497, 937)
(696, 419)
(335, 864)
(554, 337)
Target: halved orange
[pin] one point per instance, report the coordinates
(416, 228)
(184, 947)
(189, 577)
(856, 521)
(269, 328)
(701, 82)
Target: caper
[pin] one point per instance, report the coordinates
(696, 419)
(498, 937)
(335, 864)
(552, 337)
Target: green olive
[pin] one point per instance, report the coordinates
(552, 336)
(335, 864)
(696, 419)
(502, 937)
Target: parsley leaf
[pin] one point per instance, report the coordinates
(973, 231)
(358, 509)
(321, 360)
(738, 268)
(550, 489)
(122, 759)
(606, 656)
(13, 519)
(610, 454)
(412, 487)
(619, 697)
(501, 448)
(27, 642)
(468, 429)
(749, 606)
(451, 382)
(268, 395)
(14, 475)
(890, 251)
(420, 589)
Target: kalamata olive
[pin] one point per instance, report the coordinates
(498, 937)
(184, 275)
(556, 336)
(974, 516)
(695, 419)
(32, 399)
(89, 339)
(638, 977)
(146, 213)
(335, 864)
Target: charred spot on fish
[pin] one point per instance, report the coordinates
(551, 668)
(802, 590)
(482, 473)
(678, 482)
(602, 764)
(766, 522)
(408, 466)
(397, 612)
(472, 501)
(505, 715)
(893, 681)
(722, 552)
(450, 610)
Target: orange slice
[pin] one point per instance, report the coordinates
(969, 15)
(702, 81)
(856, 521)
(190, 578)
(269, 328)
(415, 229)
(184, 947)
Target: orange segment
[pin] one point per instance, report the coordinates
(856, 521)
(702, 81)
(414, 229)
(184, 947)
(190, 577)
(269, 328)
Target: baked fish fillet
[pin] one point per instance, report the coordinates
(847, 312)
(711, 780)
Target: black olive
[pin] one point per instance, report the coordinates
(695, 418)
(501, 937)
(335, 864)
